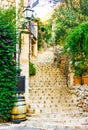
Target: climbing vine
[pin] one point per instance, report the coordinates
(7, 62)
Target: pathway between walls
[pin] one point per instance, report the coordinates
(51, 105)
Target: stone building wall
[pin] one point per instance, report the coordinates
(81, 91)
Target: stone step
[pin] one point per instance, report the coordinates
(42, 74)
(61, 120)
(47, 86)
(49, 95)
(61, 113)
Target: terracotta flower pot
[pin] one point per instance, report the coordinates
(77, 80)
(85, 79)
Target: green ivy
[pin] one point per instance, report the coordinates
(7, 62)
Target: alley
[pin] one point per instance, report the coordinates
(52, 107)
(51, 103)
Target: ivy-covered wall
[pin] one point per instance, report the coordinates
(7, 62)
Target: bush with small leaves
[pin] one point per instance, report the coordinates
(7, 62)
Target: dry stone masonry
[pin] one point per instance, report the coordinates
(82, 96)
(61, 61)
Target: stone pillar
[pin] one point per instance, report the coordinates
(24, 63)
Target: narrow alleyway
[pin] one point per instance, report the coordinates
(52, 106)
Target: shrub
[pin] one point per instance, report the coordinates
(7, 62)
(32, 69)
(77, 46)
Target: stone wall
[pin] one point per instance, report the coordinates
(81, 92)
(62, 61)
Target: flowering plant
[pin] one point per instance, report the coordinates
(7, 62)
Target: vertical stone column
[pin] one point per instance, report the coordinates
(24, 63)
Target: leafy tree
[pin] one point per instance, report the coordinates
(47, 33)
(44, 33)
(77, 47)
(40, 34)
(69, 14)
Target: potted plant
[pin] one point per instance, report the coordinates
(85, 76)
(79, 71)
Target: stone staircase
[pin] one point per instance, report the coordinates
(50, 101)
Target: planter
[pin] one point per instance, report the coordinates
(77, 80)
(85, 79)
